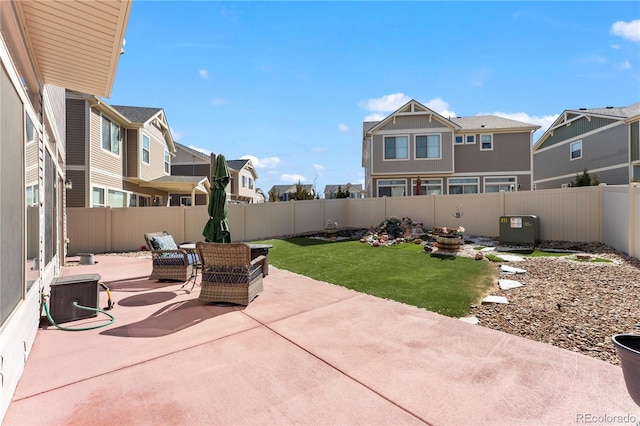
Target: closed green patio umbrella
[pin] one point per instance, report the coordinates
(217, 228)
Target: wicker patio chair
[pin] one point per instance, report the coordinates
(228, 273)
(169, 262)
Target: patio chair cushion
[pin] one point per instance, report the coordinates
(175, 259)
(164, 243)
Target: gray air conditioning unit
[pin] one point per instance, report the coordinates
(519, 229)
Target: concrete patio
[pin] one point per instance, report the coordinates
(303, 352)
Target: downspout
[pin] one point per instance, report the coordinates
(633, 237)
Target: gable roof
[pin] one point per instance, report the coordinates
(627, 114)
(137, 114)
(411, 107)
(195, 152)
(346, 187)
(237, 164)
(491, 122)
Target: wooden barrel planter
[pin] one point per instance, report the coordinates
(628, 349)
(448, 242)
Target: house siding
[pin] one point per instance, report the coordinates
(133, 153)
(106, 168)
(577, 128)
(413, 166)
(635, 141)
(602, 149)
(412, 122)
(511, 152)
(77, 195)
(157, 147)
(75, 128)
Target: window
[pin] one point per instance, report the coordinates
(185, 201)
(497, 184)
(32, 195)
(396, 148)
(250, 183)
(97, 199)
(428, 146)
(459, 140)
(133, 198)
(428, 186)
(116, 198)
(392, 188)
(30, 130)
(144, 201)
(110, 136)
(245, 184)
(486, 142)
(576, 150)
(470, 139)
(636, 171)
(145, 149)
(463, 186)
(166, 161)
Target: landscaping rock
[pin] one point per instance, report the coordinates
(511, 270)
(510, 257)
(470, 320)
(508, 284)
(495, 299)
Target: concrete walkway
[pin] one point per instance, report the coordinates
(304, 352)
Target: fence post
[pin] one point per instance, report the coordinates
(502, 203)
(632, 219)
(108, 230)
(292, 217)
(243, 215)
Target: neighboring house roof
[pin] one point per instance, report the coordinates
(77, 44)
(410, 107)
(201, 155)
(179, 184)
(346, 187)
(237, 164)
(628, 113)
(137, 114)
(283, 189)
(491, 122)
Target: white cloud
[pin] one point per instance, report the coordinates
(262, 163)
(219, 101)
(204, 74)
(544, 122)
(626, 65)
(374, 117)
(628, 30)
(318, 167)
(381, 107)
(616, 46)
(343, 128)
(387, 103)
(590, 59)
(202, 150)
(292, 178)
(176, 134)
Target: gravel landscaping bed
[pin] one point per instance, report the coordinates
(576, 305)
(569, 303)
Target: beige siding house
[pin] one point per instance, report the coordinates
(445, 155)
(605, 141)
(191, 162)
(354, 190)
(45, 48)
(120, 156)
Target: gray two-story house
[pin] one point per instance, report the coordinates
(604, 141)
(456, 155)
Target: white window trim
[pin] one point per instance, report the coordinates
(486, 149)
(167, 162)
(505, 181)
(423, 182)
(120, 139)
(415, 146)
(571, 150)
(104, 196)
(142, 149)
(462, 138)
(378, 186)
(184, 199)
(466, 142)
(384, 151)
(477, 184)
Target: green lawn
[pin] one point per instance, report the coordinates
(404, 272)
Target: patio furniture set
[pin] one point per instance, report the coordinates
(230, 272)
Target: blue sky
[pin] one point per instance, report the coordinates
(288, 84)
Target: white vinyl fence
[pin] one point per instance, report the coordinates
(608, 214)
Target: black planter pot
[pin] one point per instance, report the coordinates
(628, 349)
